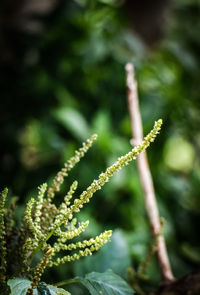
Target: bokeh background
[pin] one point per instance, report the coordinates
(63, 79)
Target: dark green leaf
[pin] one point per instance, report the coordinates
(74, 122)
(58, 291)
(107, 283)
(20, 286)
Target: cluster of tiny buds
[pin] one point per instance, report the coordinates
(69, 195)
(90, 246)
(55, 187)
(38, 208)
(29, 221)
(3, 250)
(39, 270)
(68, 235)
(63, 212)
(121, 162)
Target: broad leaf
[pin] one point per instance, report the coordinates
(73, 121)
(58, 291)
(20, 286)
(107, 283)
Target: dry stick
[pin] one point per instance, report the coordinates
(145, 175)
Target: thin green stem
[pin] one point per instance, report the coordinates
(63, 283)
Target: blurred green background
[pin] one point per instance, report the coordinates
(63, 79)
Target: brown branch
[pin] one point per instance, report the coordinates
(145, 175)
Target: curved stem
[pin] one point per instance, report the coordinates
(63, 283)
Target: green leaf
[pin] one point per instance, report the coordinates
(179, 154)
(107, 283)
(43, 289)
(58, 291)
(20, 286)
(74, 122)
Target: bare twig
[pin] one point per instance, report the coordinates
(145, 175)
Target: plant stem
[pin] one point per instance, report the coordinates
(63, 283)
(145, 175)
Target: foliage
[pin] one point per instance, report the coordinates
(97, 283)
(67, 80)
(42, 220)
(105, 283)
(20, 286)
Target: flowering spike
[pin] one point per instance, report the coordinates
(3, 251)
(29, 221)
(10, 222)
(69, 195)
(86, 243)
(28, 215)
(62, 215)
(89, 245)
(39, 270)
(68, 235)
(58, 180)
(38, 208)
(121, 162)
